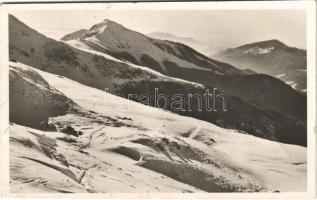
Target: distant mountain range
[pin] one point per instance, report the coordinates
(202, 47)
(168, 36)
(195, 44)
(270, 57)
(109, 55)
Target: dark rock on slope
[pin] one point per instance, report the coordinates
(33, 100)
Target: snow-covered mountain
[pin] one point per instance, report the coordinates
(101, 143)
(270, 57)
(114, 39)
(34, 49)
(180, 61)
(102, 67)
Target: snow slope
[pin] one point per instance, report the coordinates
(128, 147)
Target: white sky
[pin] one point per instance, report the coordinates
(224, 28)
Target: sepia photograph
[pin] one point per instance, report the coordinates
(159, 98)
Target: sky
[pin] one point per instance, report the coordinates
(217, 28)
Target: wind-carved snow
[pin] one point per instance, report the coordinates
(128, 158)
(258, 50)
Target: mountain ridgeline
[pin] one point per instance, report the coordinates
(270, 57)
(108, 55)
(180, 61)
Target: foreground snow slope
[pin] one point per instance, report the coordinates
(128, 147)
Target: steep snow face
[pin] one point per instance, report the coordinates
(135, 148)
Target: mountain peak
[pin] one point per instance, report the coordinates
(261, 47)
(109, 21)
(273, 43)
(102, 26)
